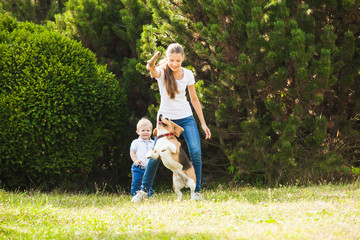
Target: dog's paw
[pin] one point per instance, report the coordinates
(164, 148)
(149, 155)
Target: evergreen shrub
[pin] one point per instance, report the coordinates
(58, 107)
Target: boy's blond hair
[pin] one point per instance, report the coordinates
(144, 122)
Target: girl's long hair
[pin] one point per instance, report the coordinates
(170, 81)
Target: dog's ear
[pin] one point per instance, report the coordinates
(155, 132)
(177, 130)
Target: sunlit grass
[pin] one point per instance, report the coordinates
(318, 212)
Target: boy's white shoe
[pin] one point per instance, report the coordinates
(139, 197)
(198, 197)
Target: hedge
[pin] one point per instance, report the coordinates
(58, 107)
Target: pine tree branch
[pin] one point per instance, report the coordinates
(173, 3)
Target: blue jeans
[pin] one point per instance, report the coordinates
(192, 138)
(137, 176)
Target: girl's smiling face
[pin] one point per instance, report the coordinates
(174, 61)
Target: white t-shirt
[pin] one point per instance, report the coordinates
(142, 147)
(178, 107)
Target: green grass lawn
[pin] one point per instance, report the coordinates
(317, 212)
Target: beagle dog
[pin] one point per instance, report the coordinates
(168, 148)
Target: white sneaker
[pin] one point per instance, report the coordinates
(198, 197)
(139, 197)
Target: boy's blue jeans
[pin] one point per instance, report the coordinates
(137, 176)
(192, 138)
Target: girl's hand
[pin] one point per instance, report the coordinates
(207, 131)
(148, 67)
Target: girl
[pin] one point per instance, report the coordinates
(173, 80)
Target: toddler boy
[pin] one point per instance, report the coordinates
(138, 150)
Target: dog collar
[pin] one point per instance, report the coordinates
(165, 135)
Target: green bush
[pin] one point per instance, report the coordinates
(58, 107)
(35, 11)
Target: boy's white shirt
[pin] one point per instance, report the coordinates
(142, 147)
(179, 107)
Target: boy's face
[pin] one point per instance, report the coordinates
(144, 132)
